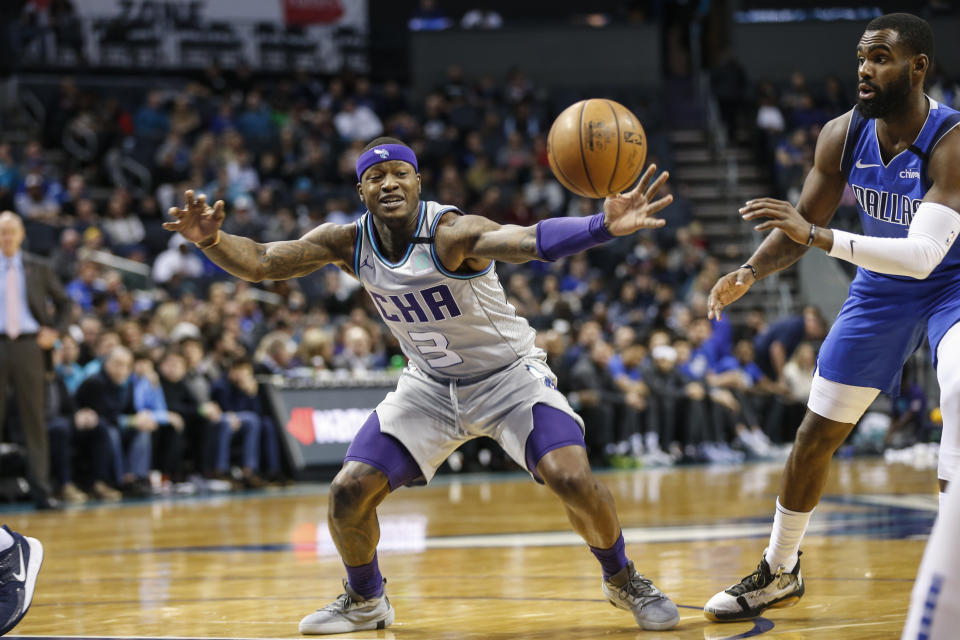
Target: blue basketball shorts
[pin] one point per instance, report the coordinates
(882, 322)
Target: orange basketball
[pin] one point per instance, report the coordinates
(596, 148)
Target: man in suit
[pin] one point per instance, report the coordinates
(27, 331)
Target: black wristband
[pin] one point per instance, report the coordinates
(813, 232)
(752, 268)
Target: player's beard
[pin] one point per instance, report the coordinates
(888, 101)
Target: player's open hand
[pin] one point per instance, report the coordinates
(627, 212)
(728, 289)
(196, 221)
(779, 215)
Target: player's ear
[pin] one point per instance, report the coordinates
(360, 191)
(419, 184)
(921, 63)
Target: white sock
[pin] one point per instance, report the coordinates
(942, 498)
(6, 540)
(788, 529)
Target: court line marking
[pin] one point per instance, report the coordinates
(639, 535)
(321, 489)
(845, 626)
(417, 577)
(89, 637)
(632, 535)
(394, 596)
(911, 501)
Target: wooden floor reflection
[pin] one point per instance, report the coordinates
(482, 558)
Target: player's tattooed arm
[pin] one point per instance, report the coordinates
(255, 261)
(822, 190)
(471, 242)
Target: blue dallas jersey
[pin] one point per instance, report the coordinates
(886, 318)
(888, 194)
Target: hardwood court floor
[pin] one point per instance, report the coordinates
(482, 558)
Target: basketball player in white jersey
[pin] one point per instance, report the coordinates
(935, 604)
(473, 368)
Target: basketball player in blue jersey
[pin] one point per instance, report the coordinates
(473, 367)
(900, 153)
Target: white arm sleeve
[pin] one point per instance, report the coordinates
(932, 232)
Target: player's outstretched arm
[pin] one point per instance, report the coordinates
(822, 190)
(473, 241)
(255, 261)
(933, 229)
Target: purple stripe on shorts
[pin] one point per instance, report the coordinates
(552, 429)
(386, 453)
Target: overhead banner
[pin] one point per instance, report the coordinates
(312, 11)
(283, 35)
(353, 12)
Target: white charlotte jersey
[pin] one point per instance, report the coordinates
(449, 325)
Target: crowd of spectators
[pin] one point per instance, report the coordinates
(168, 366)
(788, 120)
(130, 413)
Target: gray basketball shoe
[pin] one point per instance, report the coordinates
(761, 590)
(629, 590)
(349, 612)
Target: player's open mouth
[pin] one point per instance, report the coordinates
(865, 92)
(391, 202)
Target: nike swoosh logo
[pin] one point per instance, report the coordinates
(860, 165)
(20, 577)
(851, 247)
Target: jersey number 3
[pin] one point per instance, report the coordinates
(436, 343)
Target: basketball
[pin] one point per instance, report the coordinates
(596, 148)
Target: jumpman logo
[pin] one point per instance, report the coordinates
(366, 263)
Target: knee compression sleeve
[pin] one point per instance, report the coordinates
(839, 402)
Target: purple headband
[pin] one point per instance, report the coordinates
(385, 153)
